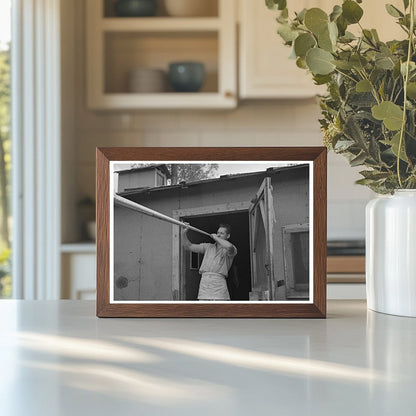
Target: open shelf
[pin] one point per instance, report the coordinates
(127, 51)
(118, 45)
(209, 9)
(160, 24)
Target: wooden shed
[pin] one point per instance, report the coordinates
(269, 215)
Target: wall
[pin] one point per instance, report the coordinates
(259, 123)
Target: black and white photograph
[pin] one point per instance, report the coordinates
(215, 231)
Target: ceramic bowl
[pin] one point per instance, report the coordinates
(186, 76)
(135, 8)
(147, 80)
(191, 8)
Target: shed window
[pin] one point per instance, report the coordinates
(296, 257)
(160, 179)
(195, 260)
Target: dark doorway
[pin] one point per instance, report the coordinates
(239, 276)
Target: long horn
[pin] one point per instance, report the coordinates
(152, 213)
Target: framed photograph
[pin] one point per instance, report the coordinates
(211, 232)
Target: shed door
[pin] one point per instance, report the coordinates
(261, 218)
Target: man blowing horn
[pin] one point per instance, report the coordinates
(215, 265)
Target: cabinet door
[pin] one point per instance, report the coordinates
(78, 276)
(266, 71)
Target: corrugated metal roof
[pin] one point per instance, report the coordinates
(222, 178)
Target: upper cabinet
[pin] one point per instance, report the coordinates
(129, 59)
(265, 67)
(266, 71)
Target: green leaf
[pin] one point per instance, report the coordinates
(384, 62)
(411, 90)
(343, 145)
(282, 4)
(316, 20)
(351, 11)
(362, 99)
(321, 79)
(411, 123)
(393, 11)
(374, 150)
(325, 42)
(345, 65)
(359, 160)
(285, 13)
(358, 61)
(406, 4)
(365, 182)
(303, 43)
(405, 21)
(412, 67)
(391, 114)
(301, 63)
(363, 86)
(287, 33)
(336, 12)
(394, 143)
(281, 19)
(342, 25)
(368, 36)
(375, 35)
(374, 175)
(301, 15)
(319, 61)
(333, 32)
(353, 131)
(382, 88)
(347, 37)
(276, 4)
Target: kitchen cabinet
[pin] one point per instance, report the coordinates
(265, 70)
(343, 269)
(118, 45)
(78, 263)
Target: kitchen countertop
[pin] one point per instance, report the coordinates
(57, 358)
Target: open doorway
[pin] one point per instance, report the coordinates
(239, 276)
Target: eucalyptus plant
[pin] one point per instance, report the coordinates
(369, 111)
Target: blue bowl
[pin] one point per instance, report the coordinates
(186, 76)
(135, 8)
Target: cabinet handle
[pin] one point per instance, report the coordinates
(229, 94)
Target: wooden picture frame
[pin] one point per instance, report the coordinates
(288, 167)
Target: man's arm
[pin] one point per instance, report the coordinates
(225, 243)
(196, 248)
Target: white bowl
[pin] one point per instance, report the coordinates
(191, 8)
(147, 80)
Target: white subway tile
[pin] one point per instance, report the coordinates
(202, 120)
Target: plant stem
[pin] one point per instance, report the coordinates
(346, 75)
(373, 88)
(405, 81)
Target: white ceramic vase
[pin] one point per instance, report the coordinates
(391, 253)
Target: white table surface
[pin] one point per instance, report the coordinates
(57, 358)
